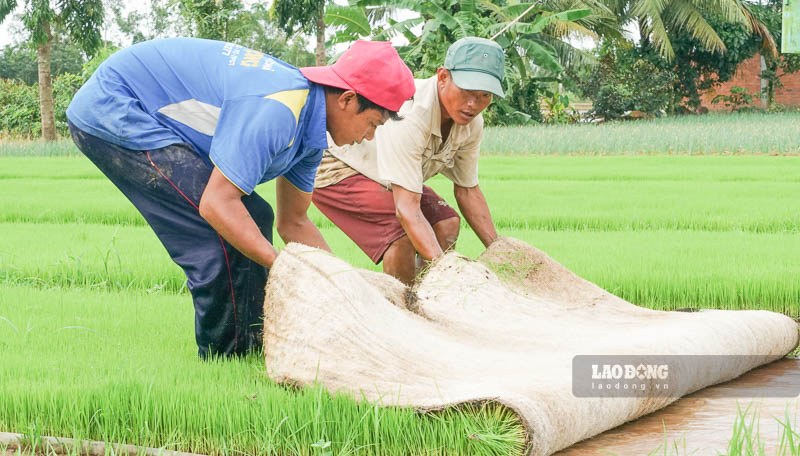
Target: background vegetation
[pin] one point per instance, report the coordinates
(684, 47)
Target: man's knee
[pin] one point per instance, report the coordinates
(447, 231)
(400, 248)
(398, 261)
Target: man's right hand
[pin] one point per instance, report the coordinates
(419, 231)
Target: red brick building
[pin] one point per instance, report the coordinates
(749, 76)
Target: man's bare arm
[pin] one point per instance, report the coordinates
(221, 205)
(419, 231)
(473, 207)
(292, 216)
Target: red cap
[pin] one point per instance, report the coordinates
(372, 69)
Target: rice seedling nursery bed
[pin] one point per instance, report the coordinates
(96, 325)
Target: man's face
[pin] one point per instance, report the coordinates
(461, 105)
(351, 126)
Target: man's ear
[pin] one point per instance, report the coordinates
(442, 75)
(442, 78)
(347, 98)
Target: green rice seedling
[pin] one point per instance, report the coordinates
(120, 367)
(789, 442)
(63, 147)
(719, 194)
(645, 205)
(69, 167)
(744, 442)
(661, 269)
(711, 134)
(666, 448)
(747, 440)
(90, 256)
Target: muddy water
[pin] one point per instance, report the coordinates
(703, 421)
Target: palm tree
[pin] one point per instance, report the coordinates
(655, 19)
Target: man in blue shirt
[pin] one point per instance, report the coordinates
(186, 129)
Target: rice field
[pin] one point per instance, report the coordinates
(96, 325)
(714, 134)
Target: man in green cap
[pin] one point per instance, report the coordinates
(374, 191)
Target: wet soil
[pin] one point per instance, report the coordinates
(704, 420)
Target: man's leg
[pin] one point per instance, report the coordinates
(399, 260)
(447, 232)
(364, 210)
(165, 185)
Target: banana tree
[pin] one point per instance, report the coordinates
(532, 36)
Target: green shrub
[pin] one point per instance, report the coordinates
(739, 98)
(19, 105)
(19, 102)
(625, 80)
(19, 109)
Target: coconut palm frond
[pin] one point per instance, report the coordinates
(730, 10)
(654, 27)
(649, 14)
(598, 8)
(683, 14)
(768, 45)
(380, 14)
(561, 29)
(570, 57)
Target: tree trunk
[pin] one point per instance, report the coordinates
(320, 29)
(644, 37)
(46, 88)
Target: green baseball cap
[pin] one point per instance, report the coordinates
(476, 64)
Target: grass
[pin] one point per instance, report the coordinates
(108, 368)
(62, 147)
(705, 135)
(712, 134)
(663, 269)
(545, 193)
(96, 325)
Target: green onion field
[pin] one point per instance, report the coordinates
(96, 325)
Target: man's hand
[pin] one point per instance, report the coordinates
(473, 207)
(221, 205)
(292, 217)
(419, 231)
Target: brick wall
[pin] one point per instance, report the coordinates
(749, 76)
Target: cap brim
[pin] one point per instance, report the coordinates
(324, 75)
(476, 80)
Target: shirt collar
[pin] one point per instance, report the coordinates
(315, 131)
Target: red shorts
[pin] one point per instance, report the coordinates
(365, 211)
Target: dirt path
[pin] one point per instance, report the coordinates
(704, 420)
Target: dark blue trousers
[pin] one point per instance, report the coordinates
(165, 185)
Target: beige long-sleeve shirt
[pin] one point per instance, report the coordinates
(410, 151)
